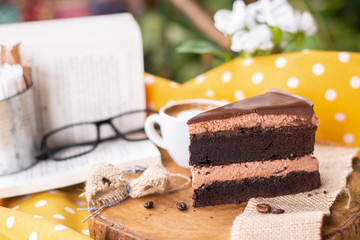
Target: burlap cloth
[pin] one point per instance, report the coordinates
(107, 185)
(303, 213)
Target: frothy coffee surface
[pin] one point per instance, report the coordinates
(188, 110)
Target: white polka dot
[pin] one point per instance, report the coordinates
(280, 62)
(239, 95)
(248, 61)
(40, 203)
(37, 216)
(330, 94)
(10, 221)
(60, 227)
(53, 191)
(318, 69)
(257, 78)
(173, 84)
(209, 93)
(58, 216)
(85, 232)
(344, 57)
(226, 77)
(80, 203)
(149, 80)
(199, 79)
(340, 117)
(15, 207)
(27, 197)
(33, 236)
(293, 82)
(69, 210)
(355, 82)
(348, 138)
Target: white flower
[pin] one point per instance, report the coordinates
(258, 37)
(228, 21)
(251, 17)
(306, 23)
(276, 13)
(249, 25)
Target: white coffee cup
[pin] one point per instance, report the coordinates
(172, 120)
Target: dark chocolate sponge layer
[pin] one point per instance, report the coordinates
(237, 191)
(251, 144)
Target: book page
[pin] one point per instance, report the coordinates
(83, 69)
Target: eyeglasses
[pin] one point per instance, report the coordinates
(78, 139)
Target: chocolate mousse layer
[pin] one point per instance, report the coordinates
(251, 144)
(239, 171)
(237, 191)
(252, 120)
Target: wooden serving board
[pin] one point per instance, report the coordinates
(130, 220)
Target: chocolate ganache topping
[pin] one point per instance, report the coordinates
(272, 102)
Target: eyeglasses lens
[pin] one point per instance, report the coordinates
(72, 141)
(131, 125)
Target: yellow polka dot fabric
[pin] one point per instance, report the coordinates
(47, 215)
(330, 79)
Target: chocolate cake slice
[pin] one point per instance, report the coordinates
(258, 147)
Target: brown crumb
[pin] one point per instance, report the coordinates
(106, 181)
(309, 195)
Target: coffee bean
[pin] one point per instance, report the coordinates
(106, 181)
(277, 211)
(181, 206)
(149, 205)
(263, 208)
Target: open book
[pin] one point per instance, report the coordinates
(84, 69)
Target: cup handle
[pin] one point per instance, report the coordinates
(151, 131)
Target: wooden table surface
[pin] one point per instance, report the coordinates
(130, 220)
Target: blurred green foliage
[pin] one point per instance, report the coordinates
(339, 23)
(165, 28)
